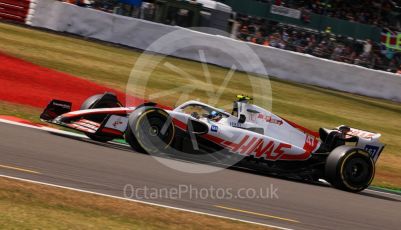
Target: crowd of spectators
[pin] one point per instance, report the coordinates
(383, 13)
(279, 35)
(319, 44)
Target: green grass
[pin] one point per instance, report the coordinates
(310, 106)
(29, 206)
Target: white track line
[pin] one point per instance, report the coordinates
(381, 192)
(45, 128)
(143, 202)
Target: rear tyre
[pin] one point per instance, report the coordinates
(150, 130)
(349, 168)
(98, 101)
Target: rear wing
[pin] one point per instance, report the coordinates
(364, 134)
(368, 141)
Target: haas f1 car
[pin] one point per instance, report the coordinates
(343, 156)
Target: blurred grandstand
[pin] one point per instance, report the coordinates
(341, 30)
(372, 12)
(323, 44)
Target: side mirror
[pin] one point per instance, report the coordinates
(242, 118)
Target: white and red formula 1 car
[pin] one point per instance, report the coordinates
(343, 156)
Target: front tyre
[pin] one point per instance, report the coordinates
(150, 130)
(349, 168)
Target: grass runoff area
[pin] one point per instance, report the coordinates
(44, 207)
(110, 65)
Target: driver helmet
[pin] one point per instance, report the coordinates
(344, 130)
(214, 114)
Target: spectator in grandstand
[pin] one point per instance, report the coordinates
(338, 53)
(244, 33)
(259, 39)
(148, 11)
(367, 48)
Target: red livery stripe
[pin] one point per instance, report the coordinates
(303, 129)
(180, 124)
(112, 131)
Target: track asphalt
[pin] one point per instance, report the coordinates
(107, 168)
